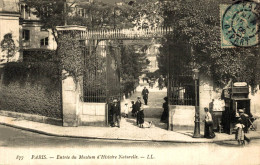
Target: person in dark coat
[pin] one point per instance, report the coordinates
(115, 109)
(133, 109)
(145, 93)
(137, 106)
(165, 114)
(141, 117)
(160, 83)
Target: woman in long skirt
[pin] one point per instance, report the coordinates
(141, 117)
(208, 132)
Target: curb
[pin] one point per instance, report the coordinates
(98, 138)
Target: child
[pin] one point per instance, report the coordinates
(240, 132)
(126, 110)
(133, 110)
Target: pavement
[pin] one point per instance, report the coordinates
(128, 129)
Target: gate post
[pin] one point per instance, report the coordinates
(70, 93)
(69, 103)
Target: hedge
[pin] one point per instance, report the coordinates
(31, 87)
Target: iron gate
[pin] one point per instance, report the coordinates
(101, 79)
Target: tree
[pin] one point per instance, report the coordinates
(98, 16)
(197, 24)
(8, 46)
(50, 12)
(104, 16)
(133, 63)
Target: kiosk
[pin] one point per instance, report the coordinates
(236, 97)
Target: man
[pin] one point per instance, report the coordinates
(115, 109)
(244, 118)
(138, 105)
(145, 93)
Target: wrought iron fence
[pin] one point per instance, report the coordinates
(182, 91)
(101, 80)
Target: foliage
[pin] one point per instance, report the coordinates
(8, 45)
(104, 16)
(50, 12)
(70, 55)
(31, 87)
(133, 63)
(197, 24)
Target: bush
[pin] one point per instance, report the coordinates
(31, 87)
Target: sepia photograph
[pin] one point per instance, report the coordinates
(129, 82)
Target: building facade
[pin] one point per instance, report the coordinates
(9, 24)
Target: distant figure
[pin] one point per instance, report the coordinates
(145, 93)
(165, 114)
(115, 108)
(126, 110)
(208, 132)
(160, 82)
(133, 109)
(138, 105)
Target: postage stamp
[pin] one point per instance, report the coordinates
(239, 25)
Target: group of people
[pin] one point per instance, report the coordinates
(136, 109)
(241, 126)
(162, 82)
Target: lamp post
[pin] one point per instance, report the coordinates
(197, 110)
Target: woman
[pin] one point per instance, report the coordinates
(208, 132)
(141, 117)
(165, 114)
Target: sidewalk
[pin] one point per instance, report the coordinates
(128, 131)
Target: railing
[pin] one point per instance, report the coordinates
(126, 33)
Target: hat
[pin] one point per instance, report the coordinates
(115, 100)
(138, 97)
(241, 111)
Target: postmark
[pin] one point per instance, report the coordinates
(239, 24)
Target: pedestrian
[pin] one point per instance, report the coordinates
(133, 109)
(145, 93)
(160, 82)
(138, 105)
(165, 114)
(240, 134)
(115, 108)
(244, 121)
(208, 131)
(141, 117)
(126, 110)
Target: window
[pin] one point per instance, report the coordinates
(45, 41)
(26, 35)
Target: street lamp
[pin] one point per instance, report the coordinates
(197, 110)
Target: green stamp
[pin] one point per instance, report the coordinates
(239, 25)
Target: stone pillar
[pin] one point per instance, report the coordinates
(69, 103)
(70, 93)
